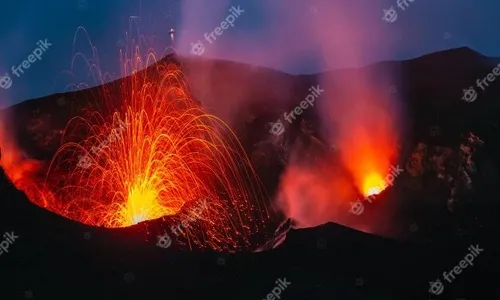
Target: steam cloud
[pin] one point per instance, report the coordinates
(358, 114)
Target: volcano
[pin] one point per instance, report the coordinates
(442, 202)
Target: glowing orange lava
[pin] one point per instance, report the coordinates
(369, 148)
(153, 154)
(373, 184)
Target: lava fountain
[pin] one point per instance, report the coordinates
(154, 154)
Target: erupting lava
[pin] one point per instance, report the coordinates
(373, 185)
(369, 158)
(153, 154)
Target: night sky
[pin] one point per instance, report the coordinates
(295, 36)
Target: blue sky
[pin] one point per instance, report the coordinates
(294, 36)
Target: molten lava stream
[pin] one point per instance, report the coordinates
(157, 154)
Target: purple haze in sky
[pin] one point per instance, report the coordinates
(294, 36)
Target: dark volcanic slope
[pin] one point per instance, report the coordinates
(54, 258)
